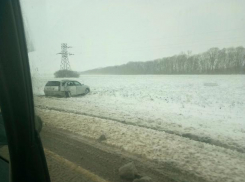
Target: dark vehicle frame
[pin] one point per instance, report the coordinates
(27, 160)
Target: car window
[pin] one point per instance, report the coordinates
(77, 83)
(70, 84)
(53, 83)
(163, 95)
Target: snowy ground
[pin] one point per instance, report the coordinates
(191, 123)
(207, 162)
(204, 108)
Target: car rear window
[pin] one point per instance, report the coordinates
(53, 83)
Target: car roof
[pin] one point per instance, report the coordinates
(66, 80)
(69, 80)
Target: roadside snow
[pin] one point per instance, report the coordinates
(205, 108)
(203, 160)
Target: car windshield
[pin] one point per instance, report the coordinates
(163, 93)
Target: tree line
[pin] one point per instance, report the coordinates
(214, 61)
(66, 74)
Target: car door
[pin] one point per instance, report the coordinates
(71, 87)
(79, 88)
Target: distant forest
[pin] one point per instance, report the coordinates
(214, 61)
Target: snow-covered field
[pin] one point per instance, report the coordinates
(193, 123)
(205, 108)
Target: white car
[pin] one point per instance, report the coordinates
(65, 88)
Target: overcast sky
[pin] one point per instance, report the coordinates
(113, 32)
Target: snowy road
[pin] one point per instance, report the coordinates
(71, 158)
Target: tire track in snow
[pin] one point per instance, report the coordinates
(190, 136)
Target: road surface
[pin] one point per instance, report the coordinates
(71, 157)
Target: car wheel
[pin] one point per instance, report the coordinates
(68, 94)
(87, 91)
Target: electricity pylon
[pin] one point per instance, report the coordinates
(65, 64)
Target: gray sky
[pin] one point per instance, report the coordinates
(113, 32)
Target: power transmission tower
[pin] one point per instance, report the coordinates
(65, 64)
